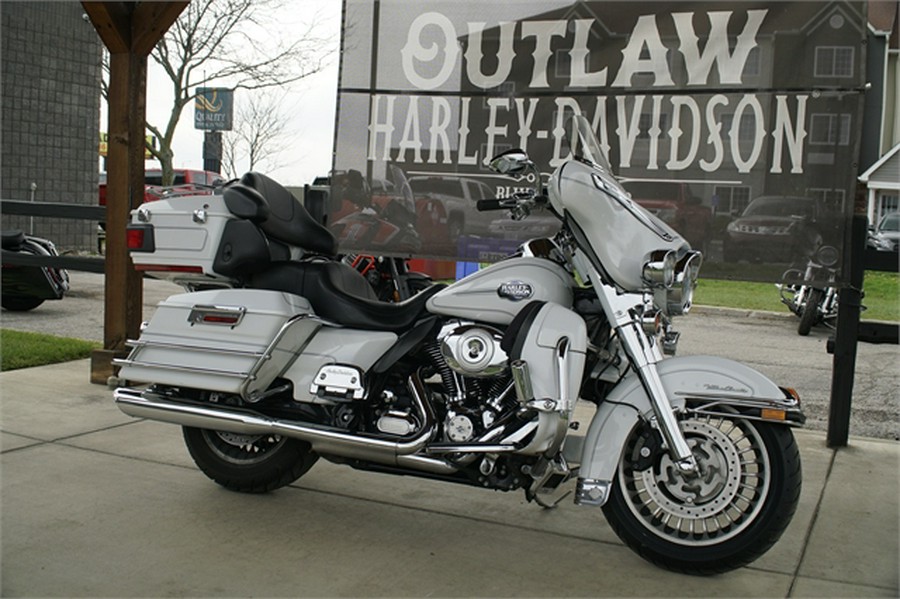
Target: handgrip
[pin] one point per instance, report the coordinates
(488, 205)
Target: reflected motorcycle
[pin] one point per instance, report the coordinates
(26, 287)
(390, 277)
(482, 382)
(815, 299)
(384, 222)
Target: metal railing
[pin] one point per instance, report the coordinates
(54, 210)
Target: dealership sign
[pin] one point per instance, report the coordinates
(735, 99)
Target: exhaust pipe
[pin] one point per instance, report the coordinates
(323, 440)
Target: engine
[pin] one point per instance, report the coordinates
(475, 380)
(472, 350)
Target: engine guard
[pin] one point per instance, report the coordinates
(703, 384)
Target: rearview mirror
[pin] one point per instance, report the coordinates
(514, 163)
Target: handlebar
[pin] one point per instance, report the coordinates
(488, 205)
(509, 203)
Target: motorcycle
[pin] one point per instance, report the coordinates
(692, 459)
(390, 277)
(27, 287)
(815, 301)
(375, 220)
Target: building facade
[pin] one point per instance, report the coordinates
(50, 115)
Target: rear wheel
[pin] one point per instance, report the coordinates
(248, 463)
(21, 303)
(728, 514)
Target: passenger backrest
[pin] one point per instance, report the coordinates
(288, 221)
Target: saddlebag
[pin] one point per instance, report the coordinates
(229, 340)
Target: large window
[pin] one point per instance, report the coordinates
(730, 200)
(830, 129)
(834, 61)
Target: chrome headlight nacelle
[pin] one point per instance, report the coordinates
(681, 296)
(659, 270)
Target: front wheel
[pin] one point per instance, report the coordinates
(248, 463)
(727, 515)
(810, 315)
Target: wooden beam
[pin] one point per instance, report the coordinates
(151, 21)
(112, 20)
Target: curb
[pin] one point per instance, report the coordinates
(740, 312)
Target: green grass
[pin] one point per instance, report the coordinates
(22, 350)
(882, 296)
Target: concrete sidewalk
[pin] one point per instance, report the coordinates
(98, 504)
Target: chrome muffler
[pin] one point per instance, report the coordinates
(324, 440)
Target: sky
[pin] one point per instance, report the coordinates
(311, 103)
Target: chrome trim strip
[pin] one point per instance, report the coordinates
(141, 344)
(191, 369)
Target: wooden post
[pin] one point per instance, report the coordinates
(129, 30)
(124, 190)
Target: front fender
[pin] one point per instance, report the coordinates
(696, 377)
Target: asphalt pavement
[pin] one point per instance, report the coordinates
(96, 504)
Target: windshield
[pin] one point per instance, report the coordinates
(583, 143)
(891, 222)
(401, 184)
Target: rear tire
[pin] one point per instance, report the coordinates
(743, 499)
(249, 463)
(21, 303)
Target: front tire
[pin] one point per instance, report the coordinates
(810, 315)
(249, 463)
(738, 506)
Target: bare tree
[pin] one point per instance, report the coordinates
(260, 129)
(232, 44)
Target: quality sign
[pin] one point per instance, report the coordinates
(213, 109)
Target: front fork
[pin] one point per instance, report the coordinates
(644, 353)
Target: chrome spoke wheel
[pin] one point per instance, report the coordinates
(242, 449)
(714, 504)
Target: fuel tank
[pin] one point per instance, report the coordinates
(497, 293)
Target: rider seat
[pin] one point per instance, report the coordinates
(338, 293)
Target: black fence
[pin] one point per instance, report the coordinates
(54, 210)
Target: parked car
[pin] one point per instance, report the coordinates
(780, 229)
(454, 198)
(885, 236)
(186, 181)
(675, 203)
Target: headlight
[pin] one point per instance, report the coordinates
(827, 255)
(659, 270)
(681, 296)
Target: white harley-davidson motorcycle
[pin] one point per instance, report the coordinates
(284, 358)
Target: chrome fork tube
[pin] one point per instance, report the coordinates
(644, 358)
(644, 355)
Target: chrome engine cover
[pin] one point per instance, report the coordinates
(472, 349)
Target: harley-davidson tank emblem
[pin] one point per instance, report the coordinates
(515, 290)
